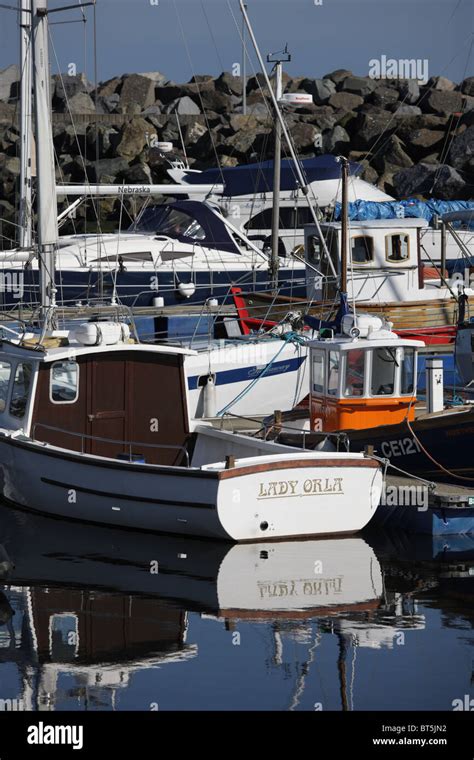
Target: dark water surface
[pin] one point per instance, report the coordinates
(98, 619)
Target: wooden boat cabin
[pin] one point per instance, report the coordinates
(88, 394)
(363, 378)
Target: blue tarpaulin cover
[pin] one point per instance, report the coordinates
(362, 211)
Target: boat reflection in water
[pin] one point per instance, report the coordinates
(94, 618)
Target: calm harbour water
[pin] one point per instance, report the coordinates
(98, 619)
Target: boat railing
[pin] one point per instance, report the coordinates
(267, 426)
(129, 444)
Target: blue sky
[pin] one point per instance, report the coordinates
(182, 37)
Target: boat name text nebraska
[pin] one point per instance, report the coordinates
(311, 486)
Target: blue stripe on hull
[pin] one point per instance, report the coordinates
(139, 288)
(244, 374)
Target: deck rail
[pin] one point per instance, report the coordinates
(130, 444)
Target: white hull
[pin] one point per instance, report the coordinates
(268, 373)
(273, 496)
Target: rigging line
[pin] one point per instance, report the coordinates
(452, 129)
(188, 53)
(117, 255)
(453, 13)
(76, 137)
(212, 35)
(259, 86)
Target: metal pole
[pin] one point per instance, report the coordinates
(26, 134)
(274, 265)
(244, 68)
(47, 204)
(344, 223)
(285, 134)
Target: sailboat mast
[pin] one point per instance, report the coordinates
(47, 204)
(344, 222)
(301, 179)
(26, 136)
(276, 181)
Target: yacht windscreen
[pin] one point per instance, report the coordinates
(172, 222)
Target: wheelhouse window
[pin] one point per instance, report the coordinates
(355, 370)
(64, 382)
(318, 371)
(407, 361)
(333, 373)
(21, 389)
(397, 248)
(362, 249)
(5, 374)
(384, 364)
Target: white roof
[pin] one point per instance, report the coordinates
(343, 343)
(75, 349)
(375, 223)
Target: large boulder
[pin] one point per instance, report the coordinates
(441, 83)
(7, 113)
(409, 91)
(304, 136)
(345, 101)
(8, 80)
(336, 140)
(137, 91)
(9, 174)
(370, 125)
(362, 86)
(183, 106)
(325, 117)
(462, 149)
(391, 156)
(100, 139)
(428, 181)
(422, 142)
(156, 77)
(444, 102)
(213, 100)
(408, 125)
(110, 87)
(66, 87)
(243, 142)
(194, 132)
(81, 102)
(229, 84)
(108, 104)
(134, 137)
(338, 76)
(467, 86)
(138, 174)
(383, 97)
(106, 170)
(70, 139)
(320, 89)
(403, 110)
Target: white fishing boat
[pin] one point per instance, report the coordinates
(106, 437)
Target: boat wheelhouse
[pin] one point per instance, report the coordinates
(363, 378)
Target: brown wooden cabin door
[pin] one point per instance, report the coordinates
(107, 404)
